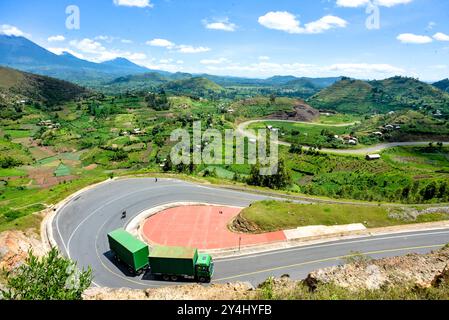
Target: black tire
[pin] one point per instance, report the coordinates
(204, 280)
(174, 278)
(165, 278)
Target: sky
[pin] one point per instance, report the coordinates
(368, 39)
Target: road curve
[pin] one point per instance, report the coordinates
(81, 226)
(242, 130)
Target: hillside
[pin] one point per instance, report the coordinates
(16, 85)
(193, 86)
(25, 55)
(397, 93)
(442, 85)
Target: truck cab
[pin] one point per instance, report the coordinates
(204, 268)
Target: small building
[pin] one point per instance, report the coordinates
(372, 157)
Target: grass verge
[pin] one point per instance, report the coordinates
(270, 216)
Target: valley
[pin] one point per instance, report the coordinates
(170, 150)
(51, 143)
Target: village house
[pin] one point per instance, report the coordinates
(372, 157)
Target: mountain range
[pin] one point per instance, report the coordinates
(22, 54)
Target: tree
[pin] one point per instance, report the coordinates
(51, 277)
(279, 180)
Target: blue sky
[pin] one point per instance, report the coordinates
(252, 38)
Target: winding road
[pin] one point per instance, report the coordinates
(242, 130)
(81, 225)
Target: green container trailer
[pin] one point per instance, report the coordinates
(178, 262)
(129, 250)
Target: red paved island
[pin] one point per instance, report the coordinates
(202, 227)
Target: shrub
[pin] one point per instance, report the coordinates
(51, 277)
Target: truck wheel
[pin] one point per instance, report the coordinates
(165, 278)
(174, 278)
(204, 280)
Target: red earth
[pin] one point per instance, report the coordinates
(202, 227)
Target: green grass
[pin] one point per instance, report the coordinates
(220, 172)
(425, 158)
(12, 172)
(17, 134)
(62, 171)
(306, 134)
(274, 215)
(17, 204)
(338, 118)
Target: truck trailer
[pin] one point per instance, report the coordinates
(172, 263)
(128, 250)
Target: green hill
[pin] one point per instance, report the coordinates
(393, 94)
(442, 85)
(47, 92)
(193, 86)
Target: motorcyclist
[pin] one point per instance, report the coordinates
(124, 214)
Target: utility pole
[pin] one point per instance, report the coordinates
(240, 242)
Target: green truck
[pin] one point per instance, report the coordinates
(128, 250)
(170, 263)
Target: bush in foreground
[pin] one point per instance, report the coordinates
(51, 277)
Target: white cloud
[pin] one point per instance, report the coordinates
(223, 25)
(95, 51)
(285, 21)
(361, 3)
(264, 58)
(441, 36)
(134, 3)
(280, 20)
(365, 68)
(180, 48)
(56, 38)
(60, 51)
(325, 23)
(439, 67)
(191, 49)
(392, 3)
(160, 43)
(88, 45)
(214, 61)
(266, 69)
(126, 41)
(413, 38)
(9, 30)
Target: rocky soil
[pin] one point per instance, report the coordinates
(301, 112)
(413, 269)
(231, 291)
(14, 247)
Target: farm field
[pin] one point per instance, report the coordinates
(103, 135)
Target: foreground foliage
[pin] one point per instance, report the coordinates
(49, 278)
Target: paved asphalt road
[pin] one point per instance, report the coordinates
(242, 130)
(81, 227)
